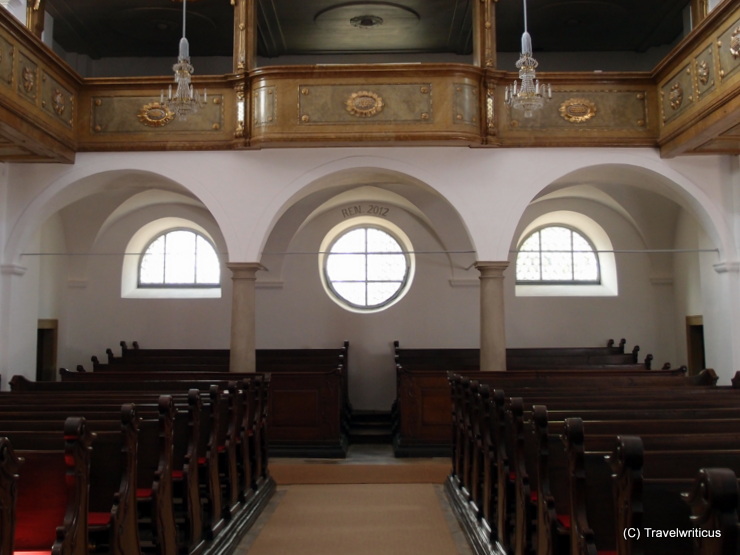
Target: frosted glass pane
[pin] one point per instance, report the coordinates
(378, 293)
(345, 267)
(352, 241)
(528, 266)
(556, 266)
(151, 269)
(386, 267)
(585, 267)
(179, 267)
(580, 244)
(380, 241)
(555, 239)
(532, 243)
(353, 293)
(208, 269)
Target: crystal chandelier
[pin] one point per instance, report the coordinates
(530, 95)
(184, 100)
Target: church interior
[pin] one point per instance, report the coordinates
(369, 178)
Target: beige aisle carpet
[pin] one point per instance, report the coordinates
(416, 472)
(356, 519)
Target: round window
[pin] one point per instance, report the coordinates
(366, 268)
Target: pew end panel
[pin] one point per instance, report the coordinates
(713, 501)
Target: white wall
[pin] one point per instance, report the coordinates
(453, 197)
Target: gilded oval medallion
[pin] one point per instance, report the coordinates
(577, 110)
(155, 114)
(364, 104)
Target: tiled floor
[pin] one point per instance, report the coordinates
(358, 454)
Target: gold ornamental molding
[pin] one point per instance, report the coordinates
(735, 43)
(155, 114)
(675, 96)
(364, 104)
(577, 110)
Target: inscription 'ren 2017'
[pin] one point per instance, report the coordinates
(361, 209)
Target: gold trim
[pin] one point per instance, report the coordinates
(735, 43)
(59, 103)
(577, 110)
(155, 114)
(364, 104)
(675, 96)
(702, 72)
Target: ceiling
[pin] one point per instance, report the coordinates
(138, 28)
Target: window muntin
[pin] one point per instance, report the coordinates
(366, 268)
(557, 255)
(179, 258)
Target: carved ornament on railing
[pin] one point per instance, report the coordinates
(577, 110)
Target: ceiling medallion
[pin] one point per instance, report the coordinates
(675, 96)
(577, 110)
(155, 114)
(364, 104)
(735, 43)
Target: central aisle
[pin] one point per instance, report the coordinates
(367, 504)
(357, 519)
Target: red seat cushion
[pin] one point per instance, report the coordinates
(533, 496)
(177, 474)
(31, 552)
(564, 521)
(98, 519)
(144, 492)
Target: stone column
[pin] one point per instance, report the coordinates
(492, 317)
(243, 318)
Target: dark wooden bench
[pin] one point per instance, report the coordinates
(649, 485)
(225, 467)
(423, 406)
(307, 413)
(714, 500)
(47, 495)
(523, 358)
(483, 443)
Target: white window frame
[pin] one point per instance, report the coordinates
(593, 233)
(136, 247)
(360, 222)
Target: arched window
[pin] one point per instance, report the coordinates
(179, 258)
(366, 267)
(557, 254)
(171, 258)
(565, 254)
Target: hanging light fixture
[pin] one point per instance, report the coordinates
(530, 94)
(184, 100)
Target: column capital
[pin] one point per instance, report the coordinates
(491, 269)
(244, 270)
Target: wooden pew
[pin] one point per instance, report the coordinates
(529, 358)
(423, 406)
(480, 463)
(649, 490)
(715, 502)
(112, 518)
(50, 514)
(252, 486)
(153, 477)
(306, 411)
(195, 438)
